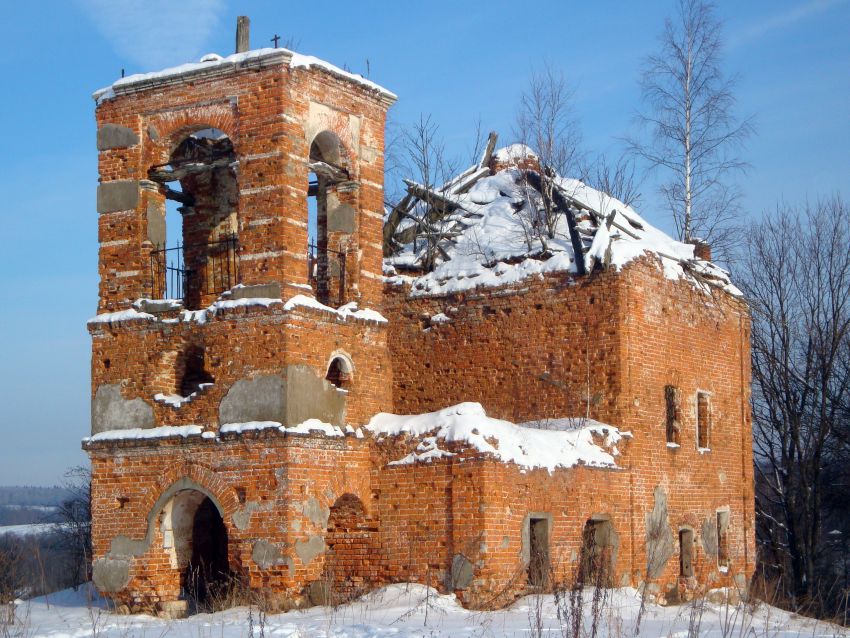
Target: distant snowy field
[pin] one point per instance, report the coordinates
(30, 529)
(410, 610)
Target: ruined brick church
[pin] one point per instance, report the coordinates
(312, 402)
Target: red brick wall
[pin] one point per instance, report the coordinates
(496, 348)
(617, 339)
(266, 481)
(240, 343)
(264, 112)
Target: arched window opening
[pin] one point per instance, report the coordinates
(199, 183)
(339, 373)
(326, 206)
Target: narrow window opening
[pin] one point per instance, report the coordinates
(686, 553)
(674, 414)
(723, 539)
(339, 373)
(195, 376)
(538, 564)
(703, 420)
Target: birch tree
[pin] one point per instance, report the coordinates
(690, 132)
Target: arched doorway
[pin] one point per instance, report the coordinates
(208, 571)
(195, 537)
(350, 562)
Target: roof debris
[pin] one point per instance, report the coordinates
(474, 231)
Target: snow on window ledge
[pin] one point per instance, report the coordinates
(178, 401)
(673, 446)
(703, 450)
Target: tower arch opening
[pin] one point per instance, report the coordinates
(199, 258)
(329, 218)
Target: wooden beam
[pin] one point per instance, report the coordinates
(488, 151)
(331, 171)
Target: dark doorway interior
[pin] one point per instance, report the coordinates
(597, 553)
(208, 572)
(538, 563)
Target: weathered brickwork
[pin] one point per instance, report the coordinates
(203, 457)
(271, 112)
(606, 345)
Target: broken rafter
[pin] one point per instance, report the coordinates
(488, 151)
(563, 204)
(398, 213)
(330, 171)
(179, 196)
(599, 217)
(181, 170)
(431, 196)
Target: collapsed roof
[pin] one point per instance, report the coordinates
(506, 219)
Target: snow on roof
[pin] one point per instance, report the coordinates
(514, 152)
(527, 447)
(307, 427)
(214, 63)
(488, 244)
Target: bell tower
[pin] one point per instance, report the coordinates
(261, 315)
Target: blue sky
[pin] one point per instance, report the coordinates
(454, 60)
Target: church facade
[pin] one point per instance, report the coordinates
(245, 378)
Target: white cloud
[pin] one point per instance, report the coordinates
(155, 33)
(787, 18)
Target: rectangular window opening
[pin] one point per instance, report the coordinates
(674, 414)
(686, 553)
(723, 539)
(538, 564)
(703, 420)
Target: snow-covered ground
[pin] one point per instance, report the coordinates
(411, 610)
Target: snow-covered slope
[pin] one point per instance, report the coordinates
(411, 610)
(489, 238)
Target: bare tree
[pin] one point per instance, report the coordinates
(798, 286)
(616, 179)
(546, 124)
(426, 159)
(693, 135)
(74, 515)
